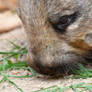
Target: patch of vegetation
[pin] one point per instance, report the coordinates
(82, 72)
(6, 63)
(81, 87)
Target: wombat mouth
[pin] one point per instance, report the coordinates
(64, 66)
(88, 57)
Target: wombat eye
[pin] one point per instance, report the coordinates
(64, 22)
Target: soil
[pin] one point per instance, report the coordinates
(34, 83)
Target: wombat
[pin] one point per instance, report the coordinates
(59, 34)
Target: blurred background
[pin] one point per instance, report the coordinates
(8, 16)
(8, 5)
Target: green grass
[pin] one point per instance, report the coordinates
(75, 87)
(7, 64)
(17, 51)
(83, 73)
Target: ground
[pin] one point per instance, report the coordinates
(34, 83)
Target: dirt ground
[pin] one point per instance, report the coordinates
(34, 83)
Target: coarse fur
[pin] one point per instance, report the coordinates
(56, 31)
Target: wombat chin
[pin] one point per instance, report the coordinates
(59, 66)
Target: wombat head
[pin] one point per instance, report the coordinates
(59, 33)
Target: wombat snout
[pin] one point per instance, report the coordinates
(53, 46)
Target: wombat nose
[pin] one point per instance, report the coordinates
(88, 39)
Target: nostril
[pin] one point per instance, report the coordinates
(88, 39)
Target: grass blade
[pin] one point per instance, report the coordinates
(15, 85)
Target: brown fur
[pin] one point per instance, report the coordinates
(52, 51)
